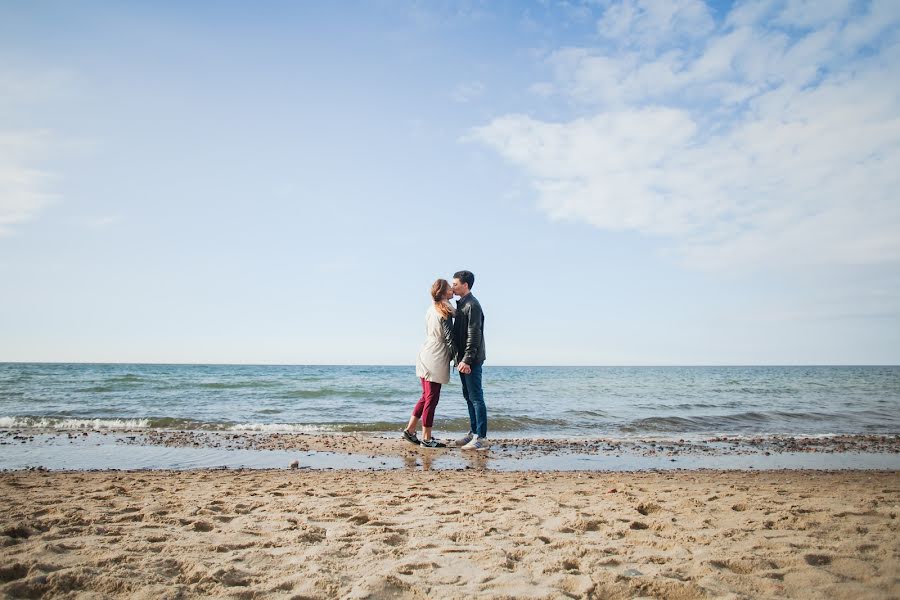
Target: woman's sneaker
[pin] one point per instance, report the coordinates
(410, 437)
(432, 443)
(464, 440)
(477, 443)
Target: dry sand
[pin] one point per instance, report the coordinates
(420, 534)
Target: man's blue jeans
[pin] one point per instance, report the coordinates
(474, 395)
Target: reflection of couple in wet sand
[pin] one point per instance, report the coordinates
(451, 335)
(477, 461)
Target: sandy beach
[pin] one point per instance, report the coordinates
(449, 534)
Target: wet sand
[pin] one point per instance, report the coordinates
(392, 445)
(449, 534)
(168, 449)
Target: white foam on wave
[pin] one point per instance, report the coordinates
(51, 423)
(282, 427)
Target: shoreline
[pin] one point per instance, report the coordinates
(67, 450)
(408, 534)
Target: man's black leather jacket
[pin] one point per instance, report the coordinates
(449, 341)
(468, 331)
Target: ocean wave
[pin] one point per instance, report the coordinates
(301, 427)
(182, 424)
(752, 420)
(235, 385)
(129, 378)
(329, 392)
(66, 423)
(757, 391)
(376, 427)
(595, 414)
(505, 423)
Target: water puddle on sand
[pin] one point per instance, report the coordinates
(103, 452)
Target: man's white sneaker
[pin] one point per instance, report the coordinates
(477, 443)
(464, 440)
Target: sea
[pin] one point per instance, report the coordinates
(523, 402)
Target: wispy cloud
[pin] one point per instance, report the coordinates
(98, 222)
(649, 24)
(22, 187)
(771, 138)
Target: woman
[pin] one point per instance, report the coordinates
(433, 363)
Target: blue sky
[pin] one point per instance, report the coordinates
(632, 182)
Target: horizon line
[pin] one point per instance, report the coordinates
(506, 365)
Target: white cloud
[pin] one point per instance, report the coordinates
(763, 147)
(750, 12)
(813, 13)
(649, 24)
(881, 16)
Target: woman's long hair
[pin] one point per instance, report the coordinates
(438, 291)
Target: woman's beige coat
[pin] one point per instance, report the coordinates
(433, 362)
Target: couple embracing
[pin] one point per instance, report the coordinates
(451, 335)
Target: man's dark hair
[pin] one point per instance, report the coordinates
(465, 277)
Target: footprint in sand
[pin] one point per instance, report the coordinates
(411, 568)
(817, 560)
(311, 534)
(393, 540)
(743, 567)
(129, 518)
(231, 577)
(570, 565)
(202, 526)
(609, 562)
(13, 572)
(583, 525)
(18, 532)
(648, 508)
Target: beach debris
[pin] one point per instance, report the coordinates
(632, 573)
(295, 464)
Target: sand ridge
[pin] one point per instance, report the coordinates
(419, 534)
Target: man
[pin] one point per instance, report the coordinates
(468, 332)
